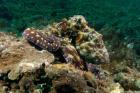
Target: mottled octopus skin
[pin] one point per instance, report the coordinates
(50, 43)
(72, 56)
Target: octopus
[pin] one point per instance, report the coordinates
(53, 44)
(73, 39)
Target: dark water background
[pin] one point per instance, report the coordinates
(117, 20)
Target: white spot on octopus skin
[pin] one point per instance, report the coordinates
(27, 34)
(37, 41)
(45, 41)
(37, 35)
(32, 32)
(48, 43)
(28, 29)
(41, 38)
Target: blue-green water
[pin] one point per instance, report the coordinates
(118, 17)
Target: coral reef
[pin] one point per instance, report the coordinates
(64, 57)
(120, 28)
(128, 78)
